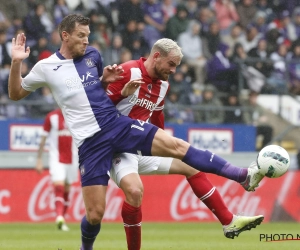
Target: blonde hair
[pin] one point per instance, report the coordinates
(165, 46)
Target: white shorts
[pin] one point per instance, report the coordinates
(63, 172)
(125, 163)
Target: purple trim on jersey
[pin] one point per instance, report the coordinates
(122, 135)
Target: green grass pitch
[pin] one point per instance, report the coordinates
(156, 236)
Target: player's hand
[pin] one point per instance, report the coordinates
(39, 166)
(112, 73)
(18, 50)
(130, 87)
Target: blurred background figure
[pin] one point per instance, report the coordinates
(214, 114)
(255, 115)
(63, 162)
(195, 50)
(233, 113)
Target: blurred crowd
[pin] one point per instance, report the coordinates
(228, 46)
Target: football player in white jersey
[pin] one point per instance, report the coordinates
(146, 103)
(63, 162)
(77, 80)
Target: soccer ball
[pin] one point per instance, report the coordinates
(273, 161)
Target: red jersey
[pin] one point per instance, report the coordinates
(61, 146)
(147, 102)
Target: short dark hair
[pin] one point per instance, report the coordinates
(68, 23)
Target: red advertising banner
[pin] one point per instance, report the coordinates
(27, 196)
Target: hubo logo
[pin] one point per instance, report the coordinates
(216, 140)
(278, 237)
(86, 80)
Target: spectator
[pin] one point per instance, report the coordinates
(246, 10)
(15, 26)
(131, 10)
(260, 52)
(36, 50)
(102, 34)
(60, 10)
(194, 50)
(174, 113)
(294, 70)
(192, 8)
(155, 22)
(205, 17)
(13, 9)
(265, 6)
(5, 58)
(255, 115)
(232, 38)
(213, 37)
(296, 20)
(260, 22)
(285, 26)
(178, 23)
(277, 79)
(221, 72)
(129, 34)
(55, 42)
(250, 39)
(272, 37)
(169, 9)
(226, 14)
(113, 53)
(213, 112)
(34, 27)
(180, 86)
(233, 115)
(125, 55)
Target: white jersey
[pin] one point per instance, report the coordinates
(61, 145)
(77, 89)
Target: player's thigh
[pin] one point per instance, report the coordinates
(166, 145)
(154, 165)
(57, 171)
(122, 165)
(94, 198)
(132, 186)
(72, 173)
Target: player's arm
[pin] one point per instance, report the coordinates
(18, 54)
(39, 161)
(47, 127)
(158, 119)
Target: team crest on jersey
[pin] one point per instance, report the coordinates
(89, 62)
(82, 169)
(149, 87)
(117, 161)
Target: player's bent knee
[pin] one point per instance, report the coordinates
(134, 195)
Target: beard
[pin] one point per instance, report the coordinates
(161, 75)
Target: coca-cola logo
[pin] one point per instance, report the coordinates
(186, 205)
(41, 202)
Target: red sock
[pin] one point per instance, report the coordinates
(132, 218)
(210, 196)
(66, 202)
(59, 199)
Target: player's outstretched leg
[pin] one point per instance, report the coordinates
(203, 160)
(240, 224)
(253, 177)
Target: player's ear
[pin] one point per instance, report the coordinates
(156, 55)
(65, 36)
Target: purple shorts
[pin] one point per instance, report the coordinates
(122, 135)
